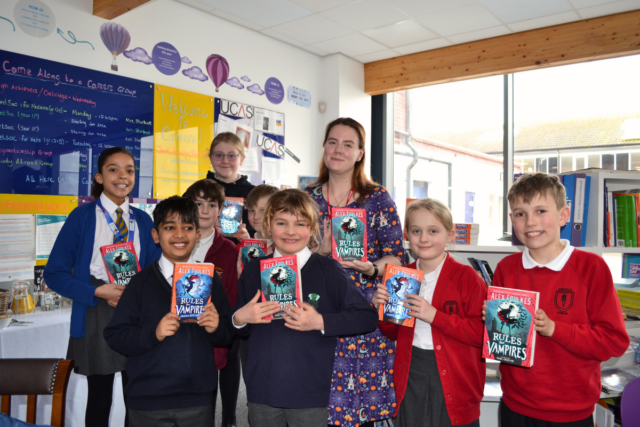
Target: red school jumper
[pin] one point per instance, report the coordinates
(457, 340)
(563, 385)
(224, 256)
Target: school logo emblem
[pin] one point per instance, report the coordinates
(564, 299)
(450, 307)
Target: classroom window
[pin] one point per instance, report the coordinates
(594, 160)
(566, 164)
(622, 162)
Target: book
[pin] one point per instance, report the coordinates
(626, 219)
(409, 201)
(466, 226)
(121, 262)
(467, 234)
(465, 240)
(252, 249)
(631, 266)
(231, 215)
(280, 281)
(587, 191)
(191, 290)
(399, 281)
(578, 211)
(634, 217)
(569, 182)
(483, 269)
(349, 234)
(509, 334)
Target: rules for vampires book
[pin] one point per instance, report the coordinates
(399, 281)
(121, 262)
(509, 333)
(349, 234)
(280, 281)
(252, 249)
(231, 214)
(191, 290)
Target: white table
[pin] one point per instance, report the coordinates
(48, 337)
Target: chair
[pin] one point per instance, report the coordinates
(32, 377)
(630, 405)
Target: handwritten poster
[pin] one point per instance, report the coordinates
(55, 119)
(183, 131)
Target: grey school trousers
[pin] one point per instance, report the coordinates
(199, 416)
(267, 416)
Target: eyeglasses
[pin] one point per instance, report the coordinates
(231, 157)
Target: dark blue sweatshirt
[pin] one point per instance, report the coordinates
(292, 369)
(178, 372)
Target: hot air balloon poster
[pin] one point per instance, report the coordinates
(116, 39)
(349, 234)
(252, 249)
(509, 334)
(280, 281)
(121, 262)
(191, 290)
(399, 281)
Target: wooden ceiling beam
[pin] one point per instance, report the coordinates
(109, 9)
(587, 40)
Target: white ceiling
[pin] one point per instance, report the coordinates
(371, 30)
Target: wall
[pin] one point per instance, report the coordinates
(336, 80)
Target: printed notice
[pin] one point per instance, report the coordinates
(269, 121)
(47, 229)
(17, 234)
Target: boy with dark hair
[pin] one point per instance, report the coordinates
(213, 247)
(172, 375)
(579, 320)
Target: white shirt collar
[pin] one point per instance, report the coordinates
(429, 277)
(166, 268)
(303, 256)
(555, 264)
(111, 207)
(208, 240)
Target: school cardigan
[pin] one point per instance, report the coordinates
(563, 385)
(177, 372)
(68, 268)
(224, 256)
(457, 330)
(292, 369)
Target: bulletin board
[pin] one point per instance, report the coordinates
(55, 119)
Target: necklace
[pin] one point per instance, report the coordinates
(334, 196)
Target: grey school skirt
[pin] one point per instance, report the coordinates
(423, 403)
(91, 354)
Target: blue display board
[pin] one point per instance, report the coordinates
(55, 119)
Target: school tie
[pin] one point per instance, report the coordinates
(122, 228)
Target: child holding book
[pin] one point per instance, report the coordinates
(172, 375)
(289, 362)
(76, 270)
(227, 155)
(579, 320)
(212, 247)
(439, 372)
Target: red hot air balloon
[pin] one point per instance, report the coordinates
(218, 70)
(116, 38)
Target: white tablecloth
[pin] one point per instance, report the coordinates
(48, 337)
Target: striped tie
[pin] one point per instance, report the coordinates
(122, 228)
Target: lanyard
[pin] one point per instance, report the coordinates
(114, 229)
(329, 203)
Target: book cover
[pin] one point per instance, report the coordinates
(466, 240)
(409, 201)
(252, 249)
(466, 226)
(626, 220)
(399, 281)
(349, 234)
(121, 262)
(631, 266)
(231, 215)
(633, 215)
(467, 234)
(280, 281)
(191, 290)
(509, 334)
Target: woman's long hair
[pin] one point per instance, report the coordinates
(359, 179)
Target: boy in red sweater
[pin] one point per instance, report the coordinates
(579, 320)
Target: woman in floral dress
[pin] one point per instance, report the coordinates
(362, 386)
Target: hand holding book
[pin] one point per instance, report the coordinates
(303, 319)
(210, 318)
(109, 292)
(254, 311)
(380, 296)
(543, 324)
(364, 267)
(420, 308)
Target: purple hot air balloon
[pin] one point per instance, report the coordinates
(116, 38)
(218, 70)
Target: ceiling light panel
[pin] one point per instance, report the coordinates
(322, 5)
(400, 34)
(266, 13)
(459, 20)
(366, 14)
(509, 11)
(312, 29)
(415, 8)
(351, 45)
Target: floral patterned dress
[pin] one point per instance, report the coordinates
(362, 384)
